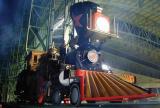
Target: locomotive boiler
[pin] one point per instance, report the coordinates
(76, 75)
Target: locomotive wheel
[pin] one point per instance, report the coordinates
(56, 97)
(75, 95)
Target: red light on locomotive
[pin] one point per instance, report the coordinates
(100, 22)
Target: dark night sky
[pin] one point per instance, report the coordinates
(9, 17)
(7, 11)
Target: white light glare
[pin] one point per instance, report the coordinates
(105, 67)
(102, 24)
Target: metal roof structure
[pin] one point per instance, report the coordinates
(138, 23)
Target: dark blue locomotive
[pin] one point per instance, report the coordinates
(47, 73)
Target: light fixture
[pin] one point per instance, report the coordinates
(106, 67)
(102, 24)
(92, 56)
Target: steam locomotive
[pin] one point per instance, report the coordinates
(43, 67)
(76, 75)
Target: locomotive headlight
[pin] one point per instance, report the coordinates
(102, 24)
(92, 56)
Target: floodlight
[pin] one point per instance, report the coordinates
(102, 24)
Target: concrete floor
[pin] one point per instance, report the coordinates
(144, 104)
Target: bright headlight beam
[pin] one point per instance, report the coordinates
(102, 24)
